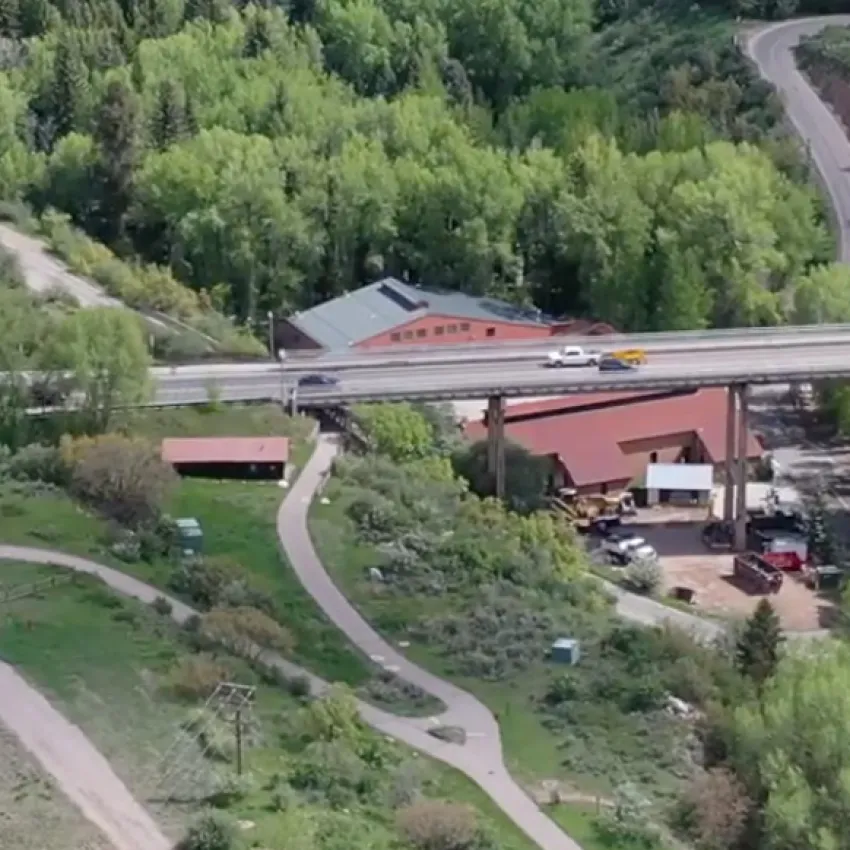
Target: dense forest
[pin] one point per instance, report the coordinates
(620, 158)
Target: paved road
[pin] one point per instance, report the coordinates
(772, 363)
(771, 48)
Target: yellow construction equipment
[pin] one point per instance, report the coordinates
(637, 356)
(588, 508)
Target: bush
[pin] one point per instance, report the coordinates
(246, 631)
(332, 771)
(196, 677)
(299, 686)
(162, 606)
(211, 831)
(437, 825)
(123, 478)
(645, 576)
(231, 788)
(39, 463)
(387, 689)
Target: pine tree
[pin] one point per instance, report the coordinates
(10, 18)
(759, 644)
(68, 90)
(169, 120)
(117, 145)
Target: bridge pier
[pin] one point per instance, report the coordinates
(741, 493)
(496, 443)
(729, 476)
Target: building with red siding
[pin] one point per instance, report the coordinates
(391, 312)
(603, 442)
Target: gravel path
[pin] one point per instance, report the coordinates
(79, 769)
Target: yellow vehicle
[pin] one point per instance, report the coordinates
(637, 356)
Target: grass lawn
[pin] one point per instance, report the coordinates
(103, 660)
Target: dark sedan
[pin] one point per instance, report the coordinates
(614, 364)
(318, 381)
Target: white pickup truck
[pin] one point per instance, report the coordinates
(572, 355)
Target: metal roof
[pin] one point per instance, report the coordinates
(375, 309)
(225, 449)
(680, 476)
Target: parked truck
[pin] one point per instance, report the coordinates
(756, 574)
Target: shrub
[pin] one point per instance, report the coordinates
(645, 576)
(713, 810)
(231, 788)
(39, 463)
(162, 606)
(247, 631)
(438, 825)
(299, 686)
(211, 831)
(121, 477)
(195, 677)
(334, 771)
(201, 581)
(389, 690)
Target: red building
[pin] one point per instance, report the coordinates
(603, 442)
(394, 313)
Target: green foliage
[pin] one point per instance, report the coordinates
(398, 431)
(526, 475)
(105, 349)
(760, 642)
(559, 152)
(645, 576)
(792, 748)
(211, 831)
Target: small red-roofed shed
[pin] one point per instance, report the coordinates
(228, 457)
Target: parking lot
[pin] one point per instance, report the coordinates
(686, 562)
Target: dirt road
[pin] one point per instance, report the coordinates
(81, 772)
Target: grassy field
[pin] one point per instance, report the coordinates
(537, 747)
(103, 661)
(34, 815)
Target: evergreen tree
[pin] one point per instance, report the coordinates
(758, 646)
(10, 18)
(66, 100)
(116, 138)
(33, 16)
(169, 119)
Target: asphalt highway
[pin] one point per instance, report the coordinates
(446, 382)
(771, 48)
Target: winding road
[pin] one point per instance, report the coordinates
(771, 48)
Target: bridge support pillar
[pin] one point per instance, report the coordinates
(729, 477)
(741, 507)
(496, 443)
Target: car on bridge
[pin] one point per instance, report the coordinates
(614, 364)
(318, 380)
(572, 355)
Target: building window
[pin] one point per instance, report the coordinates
(464, 326)
(491, 332)
(653, 457)
(452, 329)
(408, 334)
(395, 337)
(421, 333)
(439, 330)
